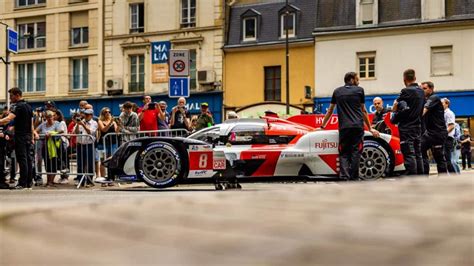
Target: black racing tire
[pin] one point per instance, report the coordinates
(160, 165)
(376, 161)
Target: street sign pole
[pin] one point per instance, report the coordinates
(7, 71)
(287, 52)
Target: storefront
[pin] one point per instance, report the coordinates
(213, 98)
(461, 105)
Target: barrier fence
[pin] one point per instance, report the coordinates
(76, 154)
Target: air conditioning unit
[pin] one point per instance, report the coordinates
(206, 76)
(114, 86)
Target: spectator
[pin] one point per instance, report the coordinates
(85, 145)
(4, 137)
(50, 105)
(232, 115)
(163, 121)
(380, 110)
(135, 108)
(450, 142)
(22, 113)
(149, 114)
(409, 124)
(466, 155)
(194, 119)
(457, 149)
(180, 116)
(350, 102)
(51, 151)
(205, 117)
(435, 130)
(106, 125)
(128, 122)
(63, 155)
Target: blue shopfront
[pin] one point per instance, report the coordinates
(462, 104)
(213, 98)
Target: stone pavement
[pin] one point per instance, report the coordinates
(412, 221)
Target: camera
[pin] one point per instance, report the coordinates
(78, 119)
(151, 106)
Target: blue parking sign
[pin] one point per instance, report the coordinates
(178, 87)
(160, 52)
(12, 41)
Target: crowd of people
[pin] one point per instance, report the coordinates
(425, 123)
(82, 136)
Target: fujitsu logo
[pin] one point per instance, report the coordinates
(325, 144)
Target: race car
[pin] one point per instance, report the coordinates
(251, 148)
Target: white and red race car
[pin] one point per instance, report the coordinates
(252, 148)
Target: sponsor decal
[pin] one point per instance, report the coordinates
(325, 144)
(259, 157)
(135, 144)
(200, 172)
(292, 155)
(128, 178)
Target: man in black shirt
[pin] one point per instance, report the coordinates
(21, 112)
(350, 102)
(409, 124)
(435, 130)
(380, 110)
(180, 116)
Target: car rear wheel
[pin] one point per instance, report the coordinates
(374, 161)
(159, 165)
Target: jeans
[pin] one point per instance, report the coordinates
(454, 160)
(350, 148)
(448, 151)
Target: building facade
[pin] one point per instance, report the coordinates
(380, 39)
(255, 56)
(131, 28)
(60, 48)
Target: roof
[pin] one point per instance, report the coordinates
(268, 30)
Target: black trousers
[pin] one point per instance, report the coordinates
(448, 149)
(436, 145)
(3, 151)
(23, 152)
(350, 148)
(410, 146)
(466, 158)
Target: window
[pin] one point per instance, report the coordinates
(137, 18)
(32, 77)
(188, 13)
(25, 3)
(247, 134)
(80, 73)
(442, 61)
(366, 13)
(366, 65)
(32, 35)
(249, 29)
(137, 73)
(290, 20)
(273, 83)
(192, 69)
(79, 36)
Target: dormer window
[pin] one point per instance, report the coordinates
(249, 29)
(288, 21)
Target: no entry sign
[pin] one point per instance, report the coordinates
(179, 63)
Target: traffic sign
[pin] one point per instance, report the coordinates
(160, 52)
(179, 63)
(178, 87)
(12, 41)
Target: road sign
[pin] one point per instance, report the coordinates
(160, 52)
(179, 63)
(178, 87)
(12, 41)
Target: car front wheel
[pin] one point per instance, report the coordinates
(374, 161)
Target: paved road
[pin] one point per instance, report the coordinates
(403, 222)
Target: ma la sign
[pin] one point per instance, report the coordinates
(160, 52)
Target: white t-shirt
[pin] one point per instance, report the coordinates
(93, 128)
(450, 118)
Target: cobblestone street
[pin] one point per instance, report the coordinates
(399, 222)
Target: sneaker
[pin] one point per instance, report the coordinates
(4, 186)
(64, 181)
(100, 180)
(21, 188)
(64, 171)
(12, 181)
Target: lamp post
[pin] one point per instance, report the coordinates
(287, 52)
(6, 61)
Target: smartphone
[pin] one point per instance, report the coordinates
(151, 106)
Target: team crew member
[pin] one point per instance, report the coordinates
(22, 113)
(350, 102)
(435, 130)
(409, 124)
(380, 110)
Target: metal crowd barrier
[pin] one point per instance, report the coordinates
(55, 155)
(112, 141)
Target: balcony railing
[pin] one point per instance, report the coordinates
(136, 86)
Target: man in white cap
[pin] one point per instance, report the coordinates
(85, 144)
